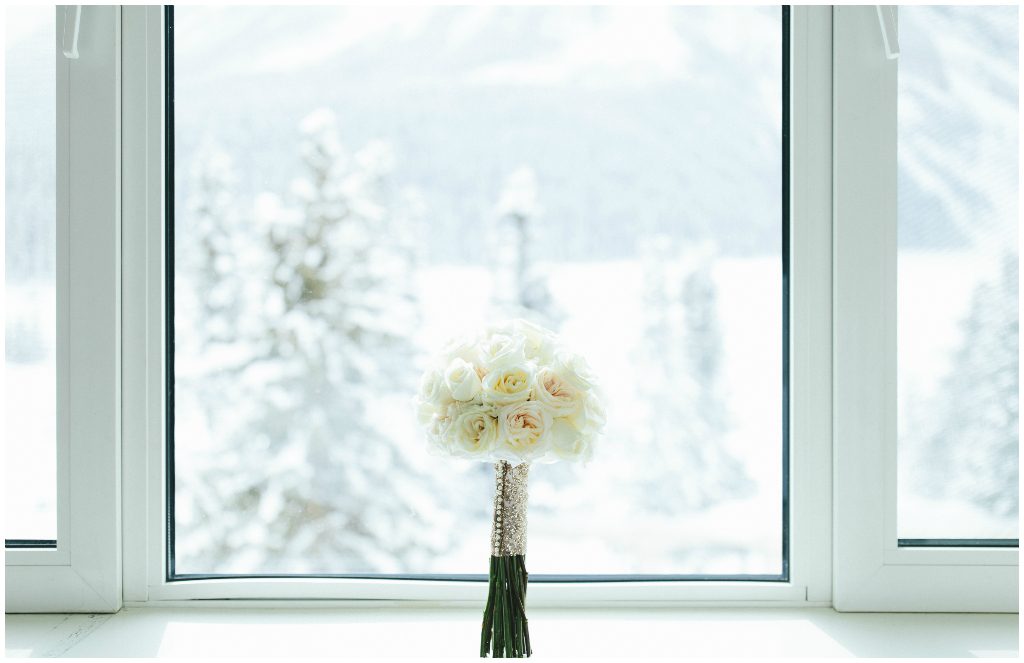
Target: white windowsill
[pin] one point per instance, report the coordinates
(454, 632)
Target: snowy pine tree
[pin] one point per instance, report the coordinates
(685, 461)
(213, 277)
(211, 263)
(520, 285)
(309, 475)
(974, 447)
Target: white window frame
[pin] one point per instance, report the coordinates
(83, 572)
(111, 508)
(810, 438)
(872, 572)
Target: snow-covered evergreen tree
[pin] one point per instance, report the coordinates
(703, 337)
(520, 284)
(209, 265)
(309, 475)
(685, 461)
(213, 279)
(974, 449)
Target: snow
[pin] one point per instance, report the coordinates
(30, 422)
(30, 451)
(580, 527)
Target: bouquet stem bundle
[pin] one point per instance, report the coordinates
(505, 632)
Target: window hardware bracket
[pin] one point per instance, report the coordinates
(890, 35)
(72, 24)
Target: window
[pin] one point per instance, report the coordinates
(923, 190)
(30, 308)
(764, 233)
(575, 166)
(63, 324)
(957, 268)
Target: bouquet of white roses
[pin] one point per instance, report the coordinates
(511, 395)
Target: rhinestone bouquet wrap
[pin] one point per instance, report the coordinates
(505, 626)
(510, 395)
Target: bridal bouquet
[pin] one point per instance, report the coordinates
(512, 395)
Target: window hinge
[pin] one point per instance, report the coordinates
(72, 23)
(890, 36)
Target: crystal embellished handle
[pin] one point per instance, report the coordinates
(508, 529)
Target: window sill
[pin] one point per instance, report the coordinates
(300, 632)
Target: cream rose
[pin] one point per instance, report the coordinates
(590, 418)
(539, 344)
(462, 380)
(556, 393)
(575, 370)
(432, 403)
(508, 383)
(425, 411)
(473, 431)
(523, 429)
(568, 443)
(462, 348)
(434, 391)
(496, 349)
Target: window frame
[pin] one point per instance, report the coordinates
(82, 572)
(145, 376)
(872, 571)
(841, 183)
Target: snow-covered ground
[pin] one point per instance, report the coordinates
(934, 291)
(603, 306)
(30, 425)
(583, 527)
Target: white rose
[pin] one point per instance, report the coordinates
(435, 423)
(503, 327)
(575, 370)
(462, 380)
(568, 443)
(523, 429)
(508, 383)
(435, 428)
(556, 393)
(496, 349)
(589, 419)
(432, 403)
(461, 347)
(425, 411)
(433, 389)
(540, 344)
(473, 431)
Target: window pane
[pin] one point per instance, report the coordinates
(30, 240)
(958, 265)
(360, 184)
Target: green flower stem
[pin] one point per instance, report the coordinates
(485, 635)
(509, 639)
(517, 603)
(524, 579)
(505, 632)
(499, 616)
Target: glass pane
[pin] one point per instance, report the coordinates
(360, 184)
(30, 326)
(958, 266)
